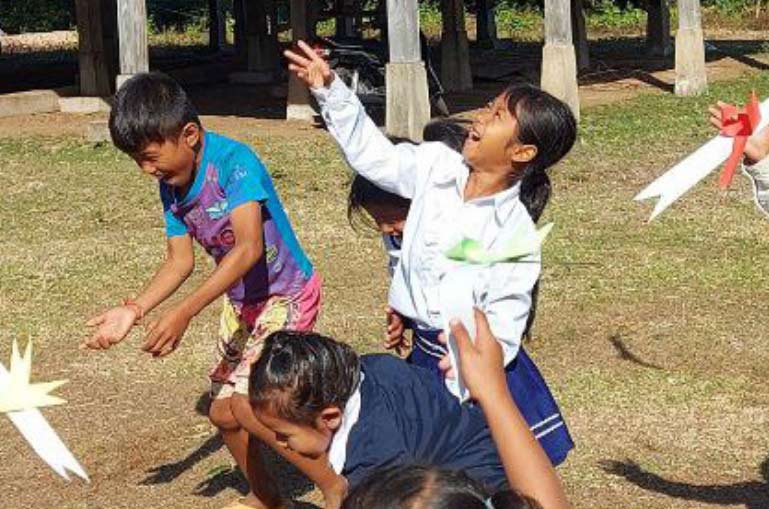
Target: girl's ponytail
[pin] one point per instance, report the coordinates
(549, 125)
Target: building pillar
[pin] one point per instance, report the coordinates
(579, 34)
(455, 54)
(93, 63)
(408, 99)
(262, 58)
(485, 23)
(299, 107)
(559, 66)
(690, 50)
(217, 28)
(658, 41)
(132, 30)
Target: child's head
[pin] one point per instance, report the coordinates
(154, 122)
(521, 134)
(387, 210)
(420, 487)
(300, 386)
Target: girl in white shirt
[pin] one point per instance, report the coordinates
(474, 195)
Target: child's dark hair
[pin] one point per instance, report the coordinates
(298, 374)
(364, 193)
(449, 132)
(548, 124)
(149, 107)
(420, 487)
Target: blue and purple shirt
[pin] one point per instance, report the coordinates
(229, 175)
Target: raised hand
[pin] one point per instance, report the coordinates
(309, 66)
(112, 326)
(481, 363)
(757, 147)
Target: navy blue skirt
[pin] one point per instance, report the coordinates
(527, 388)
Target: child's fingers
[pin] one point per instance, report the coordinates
(309, 51)
(442, 339)
(445, 363)
(96, 320)
(297, 59)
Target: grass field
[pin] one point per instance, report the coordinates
(652, 336)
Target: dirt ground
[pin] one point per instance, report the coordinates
(660, 367)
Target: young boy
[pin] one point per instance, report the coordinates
(218, 192)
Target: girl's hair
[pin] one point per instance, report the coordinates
(364, 193)
(420, 487)
(548, 124)
(300, 373)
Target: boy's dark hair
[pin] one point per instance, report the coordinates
(548, 124)
(298, 374)
(421, 487)
(149, 107)
(449, 132)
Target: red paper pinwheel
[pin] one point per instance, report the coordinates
(737, 123)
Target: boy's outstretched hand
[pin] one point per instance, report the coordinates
(481, 363)
(309, 66)
(112, 327)
(757, 147)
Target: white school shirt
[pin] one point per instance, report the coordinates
(433, 177)
(393, 249)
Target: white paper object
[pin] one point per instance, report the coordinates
(675, 182)
(39, 434)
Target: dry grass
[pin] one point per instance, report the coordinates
(652, 336)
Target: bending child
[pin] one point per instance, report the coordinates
(216, 191)
(492, 193)
(374, 412)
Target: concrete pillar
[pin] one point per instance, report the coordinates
(262, 59)
(485, 23)
(658, 41)
(217, 31)
(690, 50)
(92, 58)
(455, 54)
(132, 29)
(347, 19)
(408, 99)
(559, 66)
(579, 34)
(239, 14)
(298, 107)
(111, 42)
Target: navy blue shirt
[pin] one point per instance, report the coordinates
(408, 417)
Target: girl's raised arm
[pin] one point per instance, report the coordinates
(367, 150)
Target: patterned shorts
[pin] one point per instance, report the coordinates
(241, 335)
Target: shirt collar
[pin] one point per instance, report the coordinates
(504, 201)
(337, 452)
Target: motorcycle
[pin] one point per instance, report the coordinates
(361, 65)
